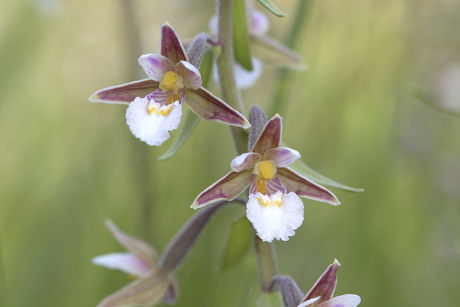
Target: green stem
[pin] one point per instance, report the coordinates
(266, 260)
(265, 251)
(284, 85)
(142, 168)
(225, 63)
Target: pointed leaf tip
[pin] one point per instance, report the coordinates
(272, 8)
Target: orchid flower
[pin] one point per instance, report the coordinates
(274, 207)
(258, 26)
(152, 284)
(155, 104)
(321, 295)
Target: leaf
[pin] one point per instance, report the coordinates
(272, 8)
(241, 49)
(191, 120)
(303, 169)
(270, 300)
(238, 243)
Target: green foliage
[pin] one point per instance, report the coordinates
(303, 169)
(241, 47)
(272, 8)
(238, 242)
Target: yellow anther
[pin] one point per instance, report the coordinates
(266, 169)
(171, 81)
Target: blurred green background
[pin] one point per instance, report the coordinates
(66, 164)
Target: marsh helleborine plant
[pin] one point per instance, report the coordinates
(273, 206)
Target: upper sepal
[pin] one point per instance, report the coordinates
(325, 285)
(171, 46)
(124, 93)
(270, 137)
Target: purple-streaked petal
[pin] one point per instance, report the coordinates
(282, 156)
(171, 46)
(346, 300)
(166, 97)
(190, 74)
(305, 187)
(209, 107)
(270, 136)
(226, 188)
(244, 161)
(258, 23)
(155, 65)
(265, 186)
(141, 292)
(136, 246)
(325, 285)
(126, 262)
(124, 93)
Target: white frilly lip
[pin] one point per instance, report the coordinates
(126, 262)
(152, 128)
(273, 221)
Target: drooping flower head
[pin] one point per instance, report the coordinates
(321, 294)
(152, 284)
(274, 207)
(155, 104)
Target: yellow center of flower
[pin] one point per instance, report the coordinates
(268, 202)
(171, 81)
(162, 111)
(266, 169)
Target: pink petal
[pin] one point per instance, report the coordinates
(226, 188)
(136, 246)
(209, 107)
(346, 300)
(258, 24)
(244, 161)
(124, 93)
(271, 186)
(270, 136)
(155, 65)
(164, 97)
(126, 262)
(325, 285)
(191, 74)
(283, 156)
(305, 187)
(171, 47)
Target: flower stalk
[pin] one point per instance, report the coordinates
(265, 251)
(226, 72)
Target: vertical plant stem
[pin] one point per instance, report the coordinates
(266, 260)
(225, 69)
(284, 84)
(265, 251)
(141, 153)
